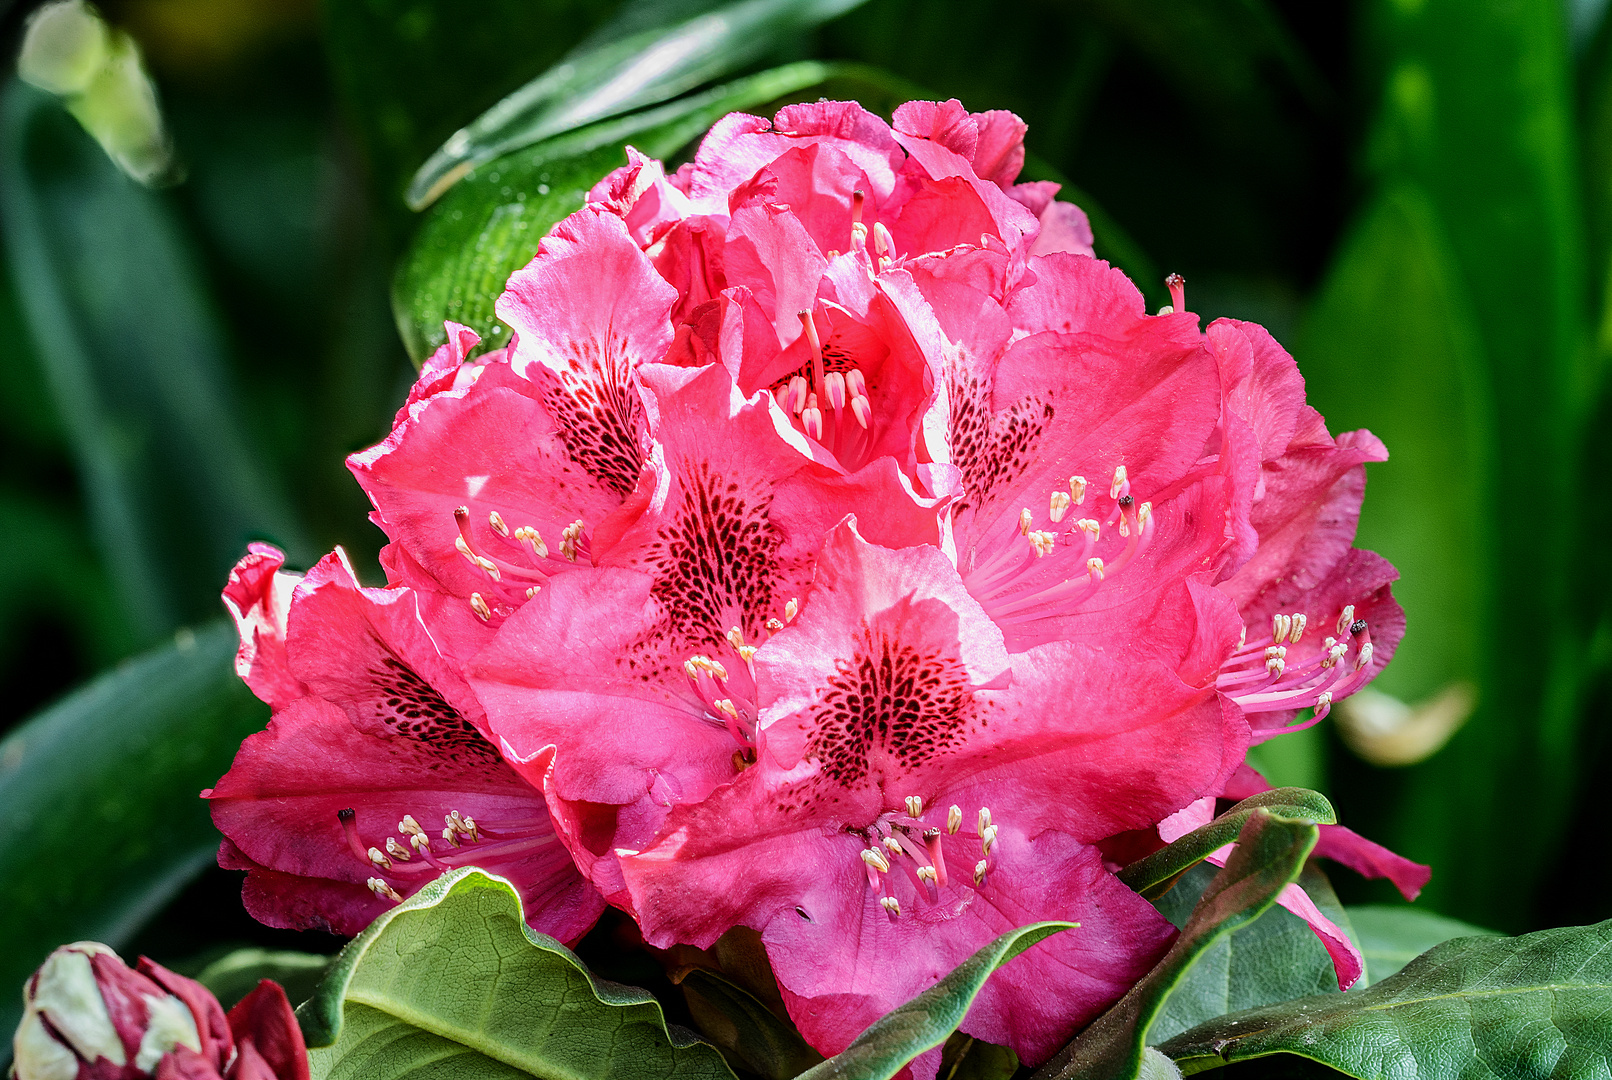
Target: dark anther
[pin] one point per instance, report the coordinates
(1125, 502)
(1357, 626)
(347, 814)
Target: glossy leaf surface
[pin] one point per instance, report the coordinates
(1530, 1006)
(453, 983)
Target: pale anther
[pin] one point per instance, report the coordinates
(791, 609)
(1365, 656)
(379, 858)
(1058, 505)
(727, 708)
(747, 653)
(531, 591)
(1275, 650)
(1025, 521)
(954, 819)
(915, 805)
(1042, 542)
(1275, 665)
(1280, 625)
(1094, 566)
(1299, 622)
(1346, 618)
(984, 818)
(1090, 526)
(382, 889)
(979, 872)
(875, 858)
(926, 874)
(893, 846)
(1118, 485)
(1077, 490)
(735, 637)
(397, 850)
(495, 520)
(988, 838)
(775, 625)
(892, 905)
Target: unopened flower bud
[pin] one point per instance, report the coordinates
(89, 1016)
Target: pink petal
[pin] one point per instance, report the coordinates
(258, 596)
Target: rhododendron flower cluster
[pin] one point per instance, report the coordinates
(839, 550)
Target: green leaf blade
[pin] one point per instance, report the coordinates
(1536, 1005)
(454, 980)
(928, 1020)
(1269, 856)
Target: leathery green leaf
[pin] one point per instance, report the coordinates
(1535, 1005)
(1154, 875)
(743, 1028)
(1269, 855)
(98, 794)
(1277, 957)
(453, 983)
(489, 225)
(651, 51)
(929, 1019)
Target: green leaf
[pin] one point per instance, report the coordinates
(650, 52)
(1277, 957)
(1270, 853)
(232, 976)
(453, 983)
(1154, 875)
(1392, 936)
(489, 225)
(928, 1020)
(134, 360)
(1531, 1006)
(98, 794)
(743, 1028)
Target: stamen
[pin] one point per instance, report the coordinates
(984, 819)
(954, 819)
(736, 637)
(1058, 506)
(798, 390)
(988, 838)
(834, 390)
(883, 243)
(811, 419)
(1025, 521)
(479, 606)
(382, 889)
(568, 539)
(1042, 542)
(891, 905)
(979, 872)
(791, 609)
(893, 846)
(1280, 625)
(927, 875)
(1120, 484)
(875, 858)
(1094, 566)
(1077, 490)
(915, 805)
(379, 858)
(1345, 619)
(496, 522)
(1299, 621)
(397, 850)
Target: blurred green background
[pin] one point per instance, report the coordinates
(1415, 196)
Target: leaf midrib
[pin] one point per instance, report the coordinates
(424, 1021)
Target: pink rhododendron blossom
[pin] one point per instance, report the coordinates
(333, 809)
(838, 549)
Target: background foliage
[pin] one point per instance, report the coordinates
(1414, 195)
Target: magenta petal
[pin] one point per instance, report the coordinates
(1346, 958)
(1372, 860)
(258, 597)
